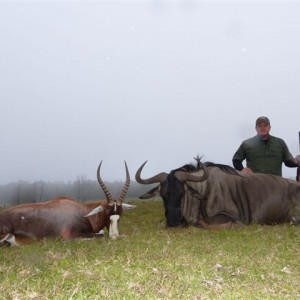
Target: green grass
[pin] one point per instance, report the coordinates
(149, 261)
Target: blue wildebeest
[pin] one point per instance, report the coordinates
(64, 217)
(217, 196)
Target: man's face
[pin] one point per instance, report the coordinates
(263, 129)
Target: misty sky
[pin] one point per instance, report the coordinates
(161, 81)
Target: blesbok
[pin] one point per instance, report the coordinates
(64, 217)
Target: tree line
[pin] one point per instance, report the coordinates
(81, 189)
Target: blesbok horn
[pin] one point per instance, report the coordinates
(125, 188)
(109, 198)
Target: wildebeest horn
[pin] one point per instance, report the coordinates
(185, 176)
(157, 178)
(126, 186)
(108, 195)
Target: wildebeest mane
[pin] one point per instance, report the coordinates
(194, 167)
(225, 168)
(188, 168)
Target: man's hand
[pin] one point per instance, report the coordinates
(297, 160)
(248, 170)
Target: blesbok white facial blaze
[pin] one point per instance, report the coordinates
(113, 227)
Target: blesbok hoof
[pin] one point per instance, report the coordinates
(8, 240)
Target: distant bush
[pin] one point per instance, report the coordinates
(80, 189)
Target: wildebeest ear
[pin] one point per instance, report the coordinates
(95, 211)
(126, 206)
(151, 193)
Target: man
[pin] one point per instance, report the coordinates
(264, 153)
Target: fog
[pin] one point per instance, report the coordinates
(162, 81)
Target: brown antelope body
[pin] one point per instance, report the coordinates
(64, 217)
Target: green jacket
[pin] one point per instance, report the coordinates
(265, 157)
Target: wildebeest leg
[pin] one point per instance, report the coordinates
(218, 221)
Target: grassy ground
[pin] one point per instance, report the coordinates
(149, 261)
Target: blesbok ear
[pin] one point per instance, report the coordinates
(126, 206)
(94, 211)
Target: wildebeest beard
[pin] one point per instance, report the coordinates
(172, 202)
